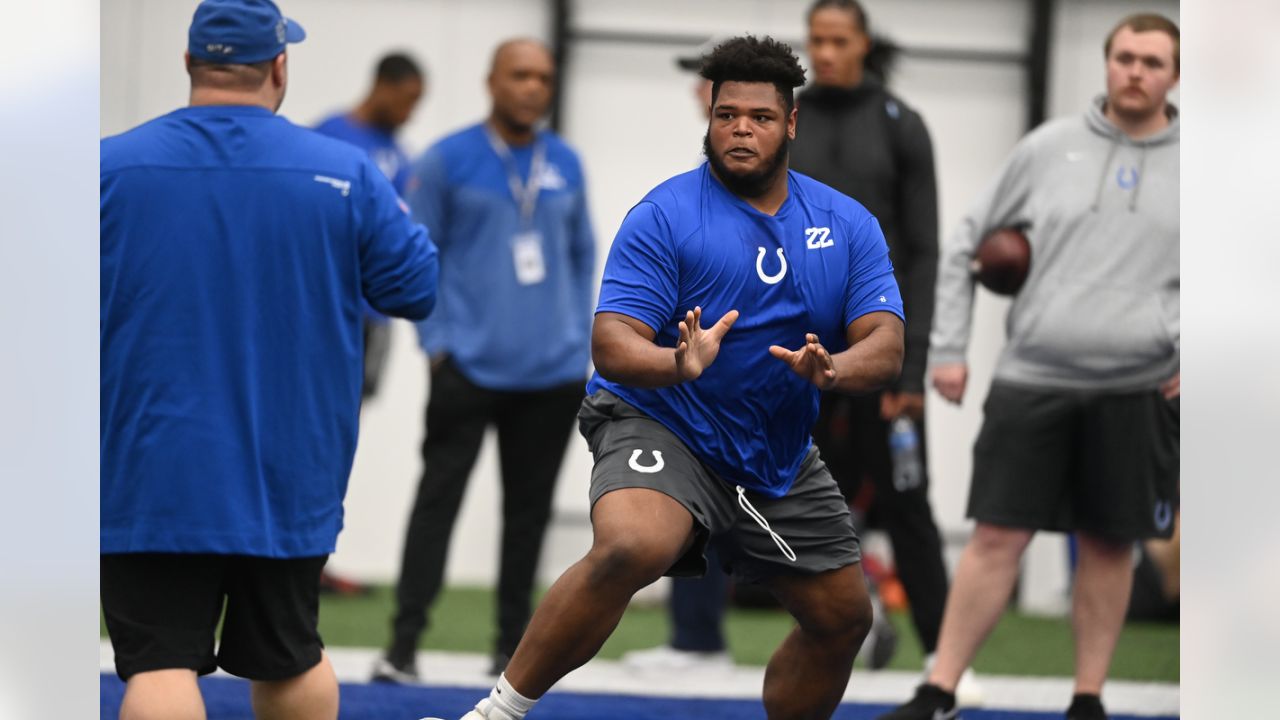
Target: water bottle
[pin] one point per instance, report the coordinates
(904, 449)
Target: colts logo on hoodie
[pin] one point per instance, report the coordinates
(1126, 177)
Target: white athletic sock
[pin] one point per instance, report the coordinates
(508, 702)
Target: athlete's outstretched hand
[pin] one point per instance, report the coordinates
(811, 362)
(698, 348)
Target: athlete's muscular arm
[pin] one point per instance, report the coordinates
(873, 360)
(623, 350)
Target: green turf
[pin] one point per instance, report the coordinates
(1020, 645)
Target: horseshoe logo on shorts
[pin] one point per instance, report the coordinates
(770, 279)
(635, 455)
(1163, 515)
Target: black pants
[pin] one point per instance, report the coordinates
(697, 608)
(533, 430)
(854, 442)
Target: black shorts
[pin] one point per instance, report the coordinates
(162, 610)
(1106, 464)
(632, 450)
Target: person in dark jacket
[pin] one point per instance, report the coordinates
(856, 136)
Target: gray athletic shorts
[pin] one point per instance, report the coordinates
(812, 519)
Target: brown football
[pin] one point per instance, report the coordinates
(1002, 261)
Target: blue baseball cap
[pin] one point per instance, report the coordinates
(240, 31)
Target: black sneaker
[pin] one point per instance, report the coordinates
(930, 703)
(882, 641)
(1086, 707)
(387, 671)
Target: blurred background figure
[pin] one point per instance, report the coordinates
(858, 137)
(701, 86)
(398, 86)
(508, 342)
(1080, 428)
(234, 266)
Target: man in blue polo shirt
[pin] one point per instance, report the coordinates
(700, 432)
(236, 252)
(508, 341)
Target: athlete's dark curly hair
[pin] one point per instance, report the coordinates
(752, 59)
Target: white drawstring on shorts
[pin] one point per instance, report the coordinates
(755, 515)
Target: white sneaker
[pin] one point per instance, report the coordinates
(968, 690)
(384, 671)
(665, 657)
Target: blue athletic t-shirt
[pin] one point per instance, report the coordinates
(236, 248)
(816, 266)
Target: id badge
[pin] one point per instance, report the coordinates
(526, 249)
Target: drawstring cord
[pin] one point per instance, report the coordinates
(755, 515)
(1142, 170)
(1102, 179)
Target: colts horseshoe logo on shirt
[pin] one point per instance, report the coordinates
(770, 279)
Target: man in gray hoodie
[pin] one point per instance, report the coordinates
(1080, 432)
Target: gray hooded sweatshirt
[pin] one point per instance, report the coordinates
(1099, 309)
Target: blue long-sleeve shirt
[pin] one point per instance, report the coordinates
(236, 249)
(382, 148)
(501, 334)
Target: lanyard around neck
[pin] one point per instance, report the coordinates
(525, 193)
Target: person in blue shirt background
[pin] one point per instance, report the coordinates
(508, 340)
(236, 252)
(702, 432)
(398, 86)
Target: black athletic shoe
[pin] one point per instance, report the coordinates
(499, 665)
(1086, 707)
(882, 641)
(930, 703)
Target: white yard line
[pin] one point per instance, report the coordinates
(353, 665)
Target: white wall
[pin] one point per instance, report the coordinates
(630, 113)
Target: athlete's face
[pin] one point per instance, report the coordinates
(521, 83)
(1140, 73)
(837, 46)
(747, 137)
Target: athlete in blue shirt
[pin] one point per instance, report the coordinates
(508, 339)
(398, 85)
(236, 251)
(703, 432)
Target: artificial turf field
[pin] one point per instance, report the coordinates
(463, 621)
